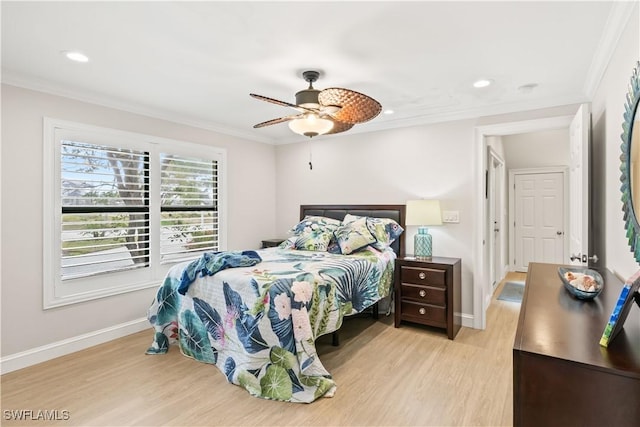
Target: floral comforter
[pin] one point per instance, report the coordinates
(259, 324)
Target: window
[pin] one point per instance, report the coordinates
(121, 208)
(105, 209)
(188, 206)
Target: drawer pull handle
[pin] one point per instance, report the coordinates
(422, 293)
(422, 276)
(422, 310)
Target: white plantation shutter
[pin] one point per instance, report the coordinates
(189, 207)
(105, 209)
(121, 208)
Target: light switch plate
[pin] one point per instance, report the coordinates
(451, 216)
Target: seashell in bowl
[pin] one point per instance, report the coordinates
(581, 282)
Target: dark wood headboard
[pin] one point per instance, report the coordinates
(395, 212)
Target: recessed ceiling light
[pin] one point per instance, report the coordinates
(76, 56)
(388, 112)
(482, 83)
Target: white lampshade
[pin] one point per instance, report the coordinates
(311, 125)
(423, 212)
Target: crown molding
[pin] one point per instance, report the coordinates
(374, 126)
(51, 88)
(614, 28)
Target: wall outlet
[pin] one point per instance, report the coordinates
(451, 216)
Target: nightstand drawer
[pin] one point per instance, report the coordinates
(424, 294)
(422, 276)
(421, 313)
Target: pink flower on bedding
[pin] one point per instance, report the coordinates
(282, 303)
(171, 330)
(302, 291)
(301, 325)
(231, 316)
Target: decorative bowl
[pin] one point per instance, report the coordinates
(581, 282)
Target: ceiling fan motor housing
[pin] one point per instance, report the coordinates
(308, 98)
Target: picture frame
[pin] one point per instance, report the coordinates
(628, 296)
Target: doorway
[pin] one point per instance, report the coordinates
(482, 257)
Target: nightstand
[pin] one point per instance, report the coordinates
(428, 292)
(271, 243)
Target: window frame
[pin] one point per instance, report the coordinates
(57, 292)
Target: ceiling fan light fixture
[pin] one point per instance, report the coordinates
(311, 125)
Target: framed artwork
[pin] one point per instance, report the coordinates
(628, 295)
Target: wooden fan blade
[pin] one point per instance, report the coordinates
(339, 126)
(276, 121)
(278, 102)
(356, 107)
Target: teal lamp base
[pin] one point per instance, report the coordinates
(422, 244)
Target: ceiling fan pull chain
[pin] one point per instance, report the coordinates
(310, 156)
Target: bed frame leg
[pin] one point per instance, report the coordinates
(335, 338)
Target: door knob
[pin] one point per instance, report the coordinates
(584, 258)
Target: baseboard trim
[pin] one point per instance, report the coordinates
(467, 320)
(26, 358)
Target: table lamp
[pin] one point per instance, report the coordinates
(423, 213)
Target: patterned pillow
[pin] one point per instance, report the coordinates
(385, 230)
(353, 236)
(313, 223)
(290, 243)
(314, 241)
(313, 233)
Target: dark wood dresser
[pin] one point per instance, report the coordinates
(561, 375)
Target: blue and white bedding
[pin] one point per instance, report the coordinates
(258, 324)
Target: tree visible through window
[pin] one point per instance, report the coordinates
(105, 209)
(121, 208)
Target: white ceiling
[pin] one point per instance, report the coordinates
(197, 62)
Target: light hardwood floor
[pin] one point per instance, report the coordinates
(410, 376)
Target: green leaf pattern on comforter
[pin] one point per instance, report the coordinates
(259, 324)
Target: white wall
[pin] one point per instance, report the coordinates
(607, 118)
(537, 149)
(388, 167)
(25, 325)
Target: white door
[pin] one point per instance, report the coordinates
(539, 218)
(498, 260)
(579, 187)
(495, 192)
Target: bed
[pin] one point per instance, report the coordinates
(256, 314)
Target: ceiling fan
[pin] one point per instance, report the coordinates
(327, 111)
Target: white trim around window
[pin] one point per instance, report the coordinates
(59, 290)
